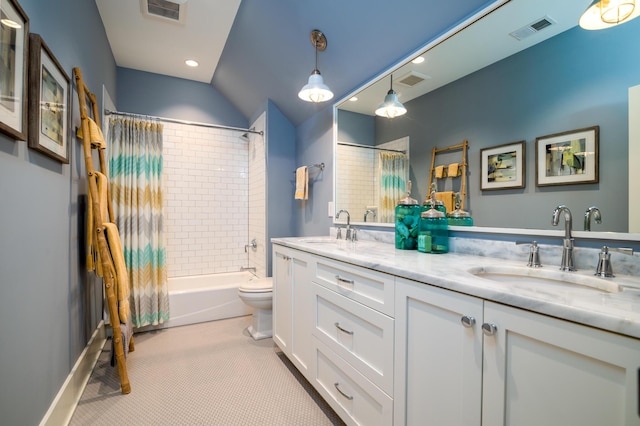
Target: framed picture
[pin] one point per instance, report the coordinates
(49, 102)
(567, 158)
(14, 42)
(503, 166)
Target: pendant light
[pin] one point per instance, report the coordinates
(391, 107)
(608, 13)
(315, 90)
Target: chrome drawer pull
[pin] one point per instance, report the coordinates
(344, 280)
(343, 330)
(489, 329)
(337, 385)
(468, 322)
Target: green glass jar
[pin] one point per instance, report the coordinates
(433, 235)
(459, 218)
(407, 224)
(407, 214)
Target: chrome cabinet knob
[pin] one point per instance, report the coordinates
(489, 329)
(468, 322)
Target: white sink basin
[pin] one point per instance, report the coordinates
(318, 240)
(532, 277)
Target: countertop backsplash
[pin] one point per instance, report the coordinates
(586, 258)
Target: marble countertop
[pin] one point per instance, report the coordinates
(618, 312)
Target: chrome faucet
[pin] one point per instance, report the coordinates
(597, 216)
(348, 234)
(253, 244)
(567, 245)
(367, 212)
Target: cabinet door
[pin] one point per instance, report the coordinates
(282, 299)
(302, 313)
(545, 371)
(438, 363)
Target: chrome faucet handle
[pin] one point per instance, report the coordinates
(534, 256)
(354, 234)
(604, 268)
(348, 234)
(339, 233)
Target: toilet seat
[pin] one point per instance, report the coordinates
(257, 286)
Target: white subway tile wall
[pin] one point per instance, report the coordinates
(357, 168)
(206, 209)
(360, 167)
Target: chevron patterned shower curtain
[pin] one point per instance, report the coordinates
(135, 169)
(393, 172)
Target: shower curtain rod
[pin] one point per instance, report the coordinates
(371, 147)
(191, 123)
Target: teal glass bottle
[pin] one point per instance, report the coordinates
(433, 234)
(407, 222)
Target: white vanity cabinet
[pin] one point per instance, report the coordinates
(545, 371)
(353, 341)
(292, 305)
(528, 369)
(438, 358)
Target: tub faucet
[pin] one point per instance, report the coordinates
(568, 263)
(591, 211)
(367, 212)
(348, 234)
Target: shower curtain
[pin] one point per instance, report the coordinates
(393, 172)
(135, 169)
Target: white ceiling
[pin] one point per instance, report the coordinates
(157, 45)
(483, 43)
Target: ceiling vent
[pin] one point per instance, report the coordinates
(532, 28)
(166, 10)
(411, 78)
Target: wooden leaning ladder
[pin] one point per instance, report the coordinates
(463, 167)
(103, 248)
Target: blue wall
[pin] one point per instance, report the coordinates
(281, 148)
(49, 305)
(555, 86)
(154, 94)
(314, 141)
(356, 128)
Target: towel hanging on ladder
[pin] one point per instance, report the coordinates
(302, 183)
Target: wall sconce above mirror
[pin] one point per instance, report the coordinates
(519, 70)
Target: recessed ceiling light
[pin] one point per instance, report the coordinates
(353, 98)
(418, 60)
(191, 63)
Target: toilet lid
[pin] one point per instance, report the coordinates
(257, 286)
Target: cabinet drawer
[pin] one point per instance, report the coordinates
(372, 289)
(356, 400)
(360, 335)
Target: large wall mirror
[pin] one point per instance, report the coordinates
(522, 72)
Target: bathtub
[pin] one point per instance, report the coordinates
(201, 298)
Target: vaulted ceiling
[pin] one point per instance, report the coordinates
(253, 50)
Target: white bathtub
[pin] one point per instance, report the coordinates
(201, 298)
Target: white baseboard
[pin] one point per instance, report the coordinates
(65, 402)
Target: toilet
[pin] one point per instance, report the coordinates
(258, 294)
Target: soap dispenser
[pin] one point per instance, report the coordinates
(407, 222)
(459, 217)
(433, 236)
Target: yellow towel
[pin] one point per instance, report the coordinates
(302, 183)
(92, 252)
(453, 170)
(440, 172)
(120, 271)
(447, 198)
(95, 135)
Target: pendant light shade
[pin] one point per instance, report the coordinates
(315, 90)
(391, 106)
(608, 13)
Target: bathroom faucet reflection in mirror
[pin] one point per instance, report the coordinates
(369, 211)
(597, 216)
